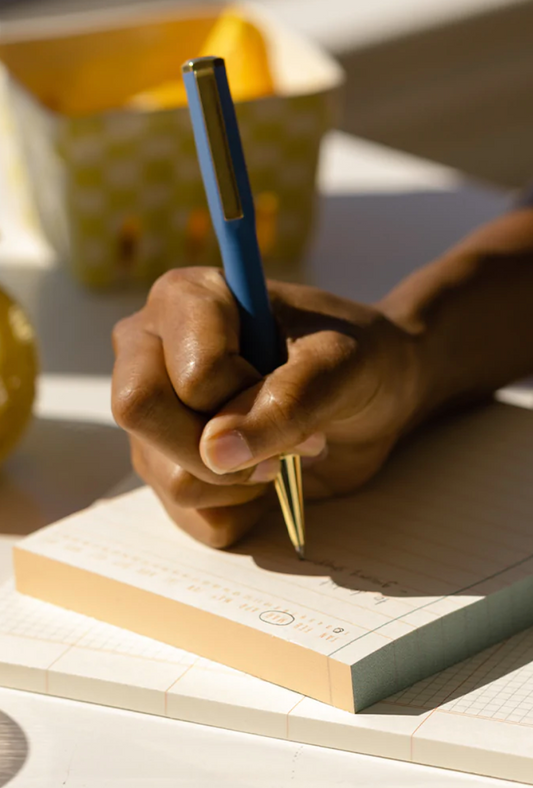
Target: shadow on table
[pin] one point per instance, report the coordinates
(60, 467)
(14, 749)
(363, 245)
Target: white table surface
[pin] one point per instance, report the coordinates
(382, 214)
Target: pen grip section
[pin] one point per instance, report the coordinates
(260, 340)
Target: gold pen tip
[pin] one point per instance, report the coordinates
(301, 552)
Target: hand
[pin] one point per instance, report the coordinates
(206, 430)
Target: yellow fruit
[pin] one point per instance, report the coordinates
(165, 96)
(18, 371)
(245, 53)
(244, 50)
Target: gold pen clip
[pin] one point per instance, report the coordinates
(204, 72)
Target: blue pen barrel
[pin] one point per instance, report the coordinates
(259, 335)
(231, 205)
(230, 200)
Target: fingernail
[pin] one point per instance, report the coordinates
(312, 446)
(266, 471)
(227, 452)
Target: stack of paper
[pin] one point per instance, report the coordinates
(427, 565)
(476, 716)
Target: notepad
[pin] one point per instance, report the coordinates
(476, 716)
(428, 564)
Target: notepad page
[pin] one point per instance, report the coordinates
(446, 525)
(52, 651)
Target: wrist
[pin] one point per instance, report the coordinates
(469, 315)
(421, 387)
(406, 379)
(429, 370)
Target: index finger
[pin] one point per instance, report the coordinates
(145, 404)
(197, 320)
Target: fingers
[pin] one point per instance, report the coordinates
(197, 320)
(179, 358)
(187, 491)
(145, 404)
(207, 431)
(219, 527)
(293, 404)
(215, 515)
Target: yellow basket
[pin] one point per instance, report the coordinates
(107, 143)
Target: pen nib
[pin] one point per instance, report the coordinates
(289, 489)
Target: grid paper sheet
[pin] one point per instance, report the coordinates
(488, 698)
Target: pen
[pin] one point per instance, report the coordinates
(231, 205)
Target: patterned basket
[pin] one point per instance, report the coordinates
(119, 193)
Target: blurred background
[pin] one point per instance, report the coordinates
(449, 80)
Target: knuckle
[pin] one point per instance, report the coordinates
(121, 331)
(134, 405)
(197, 379)
(193, 379)
(210, 280)
(184, 489)
(138, 460)
(288, 413)
(166, 283)
(188, 279)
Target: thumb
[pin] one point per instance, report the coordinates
(287, 408)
